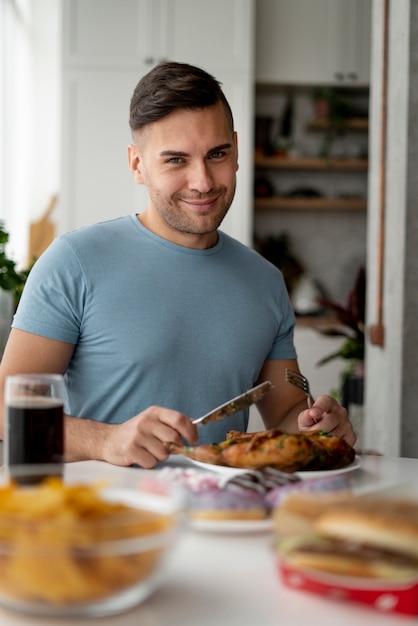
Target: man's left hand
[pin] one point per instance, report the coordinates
(327, 414)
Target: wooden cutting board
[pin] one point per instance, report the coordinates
(42, 232)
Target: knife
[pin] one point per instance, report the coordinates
(239, 403)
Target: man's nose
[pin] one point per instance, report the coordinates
(200, 178)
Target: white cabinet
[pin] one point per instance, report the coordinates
(110, 33)
(107, 46)
(99, 33)
(96, 181)
(313, 42)
(350, 39)
(216, 34)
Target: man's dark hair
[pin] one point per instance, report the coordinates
(170, 86)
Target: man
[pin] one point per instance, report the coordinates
(157, 318)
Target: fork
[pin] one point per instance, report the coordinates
(300, 381)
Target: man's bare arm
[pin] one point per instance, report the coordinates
(141, 439)
(27, 353)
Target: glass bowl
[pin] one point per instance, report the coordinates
(86, 546)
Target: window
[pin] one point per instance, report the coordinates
(29, 115)
(15, 122)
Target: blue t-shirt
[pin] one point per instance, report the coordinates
(155, 323)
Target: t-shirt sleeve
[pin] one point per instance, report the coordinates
(53, 298)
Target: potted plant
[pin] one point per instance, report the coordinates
(11, 279)
(322, 97)
(12, 282)
(335, 108)
(351, 325)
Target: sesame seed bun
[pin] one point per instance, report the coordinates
(361, 537)
(391, 524)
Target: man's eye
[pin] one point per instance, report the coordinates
(217, 155)
(175, 160)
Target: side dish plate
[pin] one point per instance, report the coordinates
(229, 472)
(232, 526)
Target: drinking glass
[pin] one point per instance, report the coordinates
(34, 437)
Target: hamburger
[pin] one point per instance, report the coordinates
(369, 538)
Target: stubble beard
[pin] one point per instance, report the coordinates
(179, 220)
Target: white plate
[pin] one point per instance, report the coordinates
(233, 525)
(230, 472)
(321, 473)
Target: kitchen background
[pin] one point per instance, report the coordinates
(82, 59)
(309, 189)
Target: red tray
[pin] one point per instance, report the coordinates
(386, 596)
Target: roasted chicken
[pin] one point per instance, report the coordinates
(288, 452)
(284, 452)
(331, 452)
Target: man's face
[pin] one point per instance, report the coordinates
(188, 162)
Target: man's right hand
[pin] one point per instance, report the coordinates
(141, 440)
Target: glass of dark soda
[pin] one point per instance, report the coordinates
(34, 438)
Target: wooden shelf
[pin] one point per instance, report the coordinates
(317, 321)
(272, 162)
(355, 123)
(310, 204)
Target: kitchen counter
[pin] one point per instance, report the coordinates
(219, 579)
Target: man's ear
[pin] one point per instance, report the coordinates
(134, 161)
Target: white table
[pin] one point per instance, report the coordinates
(226, 580)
